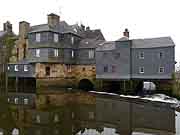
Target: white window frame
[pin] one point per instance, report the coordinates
(38, 119)
(56, 118)
(56, 52)
(72, 53)
(56, 38)
(141, 57)
(38, 52)
(25, 68)
(26, 101)
(16, 68)
(91, 54)
(16, 100)
(140, 70)
(38, 37)
(8, 67)
(162, 69)
(72, 40)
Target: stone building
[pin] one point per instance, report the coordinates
(58, 55)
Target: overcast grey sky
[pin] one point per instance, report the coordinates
(143, 18)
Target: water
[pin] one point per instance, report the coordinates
(81, 113)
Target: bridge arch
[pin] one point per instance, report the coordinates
(85, 84)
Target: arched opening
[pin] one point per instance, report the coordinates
(139, 88)
(86, 85)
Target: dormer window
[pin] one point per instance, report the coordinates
(37, 52)
(16, 68)
(38, 37)
(56, 52)
(56, 38)
(72, 40)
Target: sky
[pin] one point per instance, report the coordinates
(143, 18)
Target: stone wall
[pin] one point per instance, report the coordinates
(63, 76)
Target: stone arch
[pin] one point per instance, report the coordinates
(85, 84)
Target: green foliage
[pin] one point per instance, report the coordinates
(9, 42)
(6, 120)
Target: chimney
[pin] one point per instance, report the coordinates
(7, 27)
(23, 29)
(53, 20)
(126, 33)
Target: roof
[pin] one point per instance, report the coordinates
(90, 43)
(2, 33)
(152, 42)
(124, 38)
(106, 46)
(62, 27)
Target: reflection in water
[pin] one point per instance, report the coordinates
(78, 113)
(178, 123)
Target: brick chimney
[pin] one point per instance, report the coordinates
(23, 29)
(7, 27)
(53, 20)
(126, 33)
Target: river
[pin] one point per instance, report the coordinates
(83, 113)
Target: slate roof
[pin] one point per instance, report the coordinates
(106, 46)
(90, 43)
(152, 42)
(63, 27)
(2, 33)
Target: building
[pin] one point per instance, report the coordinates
(55, 54)
(58, 55)
(150, 59)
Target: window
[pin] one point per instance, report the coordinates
(72, 115)
(37, 52)
(161, 69)
(68, 68)
(8, 68)
(25, 68)
(160, 55)
(83, 69)
(113, 69)
(26, 101)
(38, 120)
(91, 54)
(56, 38)
(47, 71)
(16, 100)
(16, 68)
(72, 40)
(141, 55)
(91, 115)
(72, 54)
(141, 70)
(56, 52)
(56, 118)
(105, 68)
(117, 55)
(38, 37)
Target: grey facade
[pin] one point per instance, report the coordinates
(72, 44)
(138, 59)
(114, 57)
